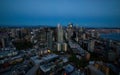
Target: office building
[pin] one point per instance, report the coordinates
(58, 46)
(59, 33)
(49, 39)
(111, 55)
(65, 47)
(91, 44)
(59, 37)
(3, 42)
(84, 36)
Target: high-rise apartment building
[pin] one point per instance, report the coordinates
(49, 39)
(60, 33)
(91, 44)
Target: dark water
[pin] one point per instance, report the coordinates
(112, 36)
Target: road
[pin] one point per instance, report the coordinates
(33, 70)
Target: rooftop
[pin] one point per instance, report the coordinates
(69, 68)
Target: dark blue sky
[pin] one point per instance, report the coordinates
(93, 13)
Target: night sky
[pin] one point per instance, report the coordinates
(91, 13)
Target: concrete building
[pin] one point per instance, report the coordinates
(84, 36)
(91, 44)
(81, 29)
(59, 46)
(94, 71)
(42, 35)
(3, 42)
(69, 31)
(59, 34)
(66, 35)
(49, 39)
(111, 55)
(65, 47)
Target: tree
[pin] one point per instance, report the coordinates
(22, 44)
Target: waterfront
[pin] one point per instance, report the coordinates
(112, 36)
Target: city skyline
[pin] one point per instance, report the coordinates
(59, 37)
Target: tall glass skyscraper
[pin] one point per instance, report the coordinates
(60, 34)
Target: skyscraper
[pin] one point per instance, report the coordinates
(60, 33)
(91, 45)
(59, 37)
(65, 47)
(58, 46)
(49, 39)
(70, 30)
(3, 42)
